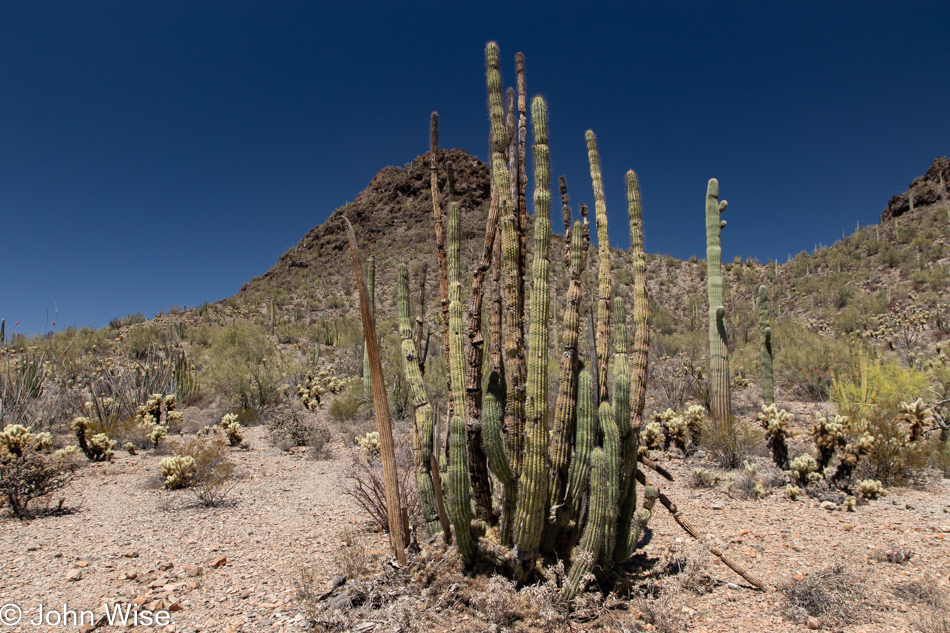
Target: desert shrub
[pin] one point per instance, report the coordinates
(289, 429)
(350, 556)
(213, 476)
(27, 470)
(702, 478)
(833, 595)
(748, 484)
(661, 321)
(805, 362)
(729, 442)
(363, 482)
(245, 366)
(346, 404)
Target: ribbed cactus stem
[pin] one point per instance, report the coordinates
(456, 327)
(565, 410)
(371, 289)
(533, 485)
(586, 553)
(621, 367)
(492, 432)
(627, 536)
(584, 441)
(608, 427)
(768, 389)
(603, 275)
(423, 410)
(719, 381)
(460, 490)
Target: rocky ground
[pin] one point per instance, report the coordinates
(237, 567)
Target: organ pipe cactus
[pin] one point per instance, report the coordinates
(762, 306)
(719, 381)
(568, 486)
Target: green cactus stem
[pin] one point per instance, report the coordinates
(768, 390)
(583, 443)
(603, 275)
(422, 436)
(586, 553)
(533, 485)
(719, 381)
(460, 490)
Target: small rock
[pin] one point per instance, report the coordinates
(907, 506)
(74, 575)
(81, 563)
(87, 628)
(165, 566)
(131, 554)
(717, 506)
(219, 562)
(814, 623)
(799, 577)
(732, 585)
(828, 505)
(192, 570)
(847, 528)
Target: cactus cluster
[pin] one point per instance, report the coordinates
(232, 429)
(314, 387)
(775, 422)
(179, 471)
(97, 448)
(568, 485)
(156, 415)
(680, 429)
(369, 442)
(870, 489)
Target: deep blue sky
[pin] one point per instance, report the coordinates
(161, 153)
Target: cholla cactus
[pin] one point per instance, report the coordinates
(775, 422)
(915, 415)
(804, 469)
(849, 503)
(130, 448)
(232, 429)
(870, 489)
(100, 444)
(652, 436)
(66, 452)
(695, 415)
(851, 453)
(99, 447)
(178, 471)
(16, 439)
(310, 392)
(792, 491)
(156, 414)
(829, 437)
(157, 434)
(369, 442)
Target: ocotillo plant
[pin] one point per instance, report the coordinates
(762, 305)
(720, 399)
(572, 485)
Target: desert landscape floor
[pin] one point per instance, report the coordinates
(236, 567)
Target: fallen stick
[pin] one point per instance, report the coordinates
(692, 531)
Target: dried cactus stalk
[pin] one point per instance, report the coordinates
(371, 289)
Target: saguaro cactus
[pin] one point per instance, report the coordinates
(719, 381)
(762, 306)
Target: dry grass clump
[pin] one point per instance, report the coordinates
(289, 429)
(730, 442)
(933, 604)
(656, 608)
(833, 595)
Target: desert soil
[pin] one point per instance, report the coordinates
(234, 568)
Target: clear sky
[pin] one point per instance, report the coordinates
(161, 153)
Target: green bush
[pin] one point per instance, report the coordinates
(805, 362)
(346, 405)
(245, 366)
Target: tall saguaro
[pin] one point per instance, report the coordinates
(719, 382)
